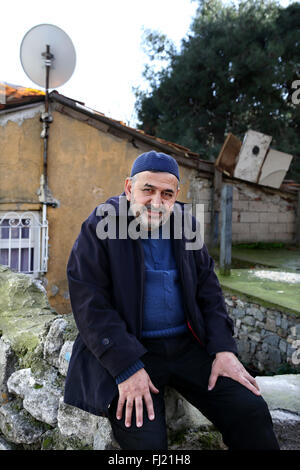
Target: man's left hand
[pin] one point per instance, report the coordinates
(228, 365)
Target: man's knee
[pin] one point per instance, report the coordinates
(252, 428)
(251, 410)
(255, 408)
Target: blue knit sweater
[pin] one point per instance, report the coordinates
(163, 305)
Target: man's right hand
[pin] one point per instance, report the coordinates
(133, 391)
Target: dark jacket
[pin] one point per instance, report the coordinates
(106, 279)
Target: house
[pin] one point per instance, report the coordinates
(49, 185)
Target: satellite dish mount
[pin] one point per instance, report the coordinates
(48, 62)
(41, 46)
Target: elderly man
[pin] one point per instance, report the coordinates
(151, 313)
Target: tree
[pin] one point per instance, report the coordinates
(234, 72)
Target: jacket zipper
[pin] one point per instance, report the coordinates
(194, 334)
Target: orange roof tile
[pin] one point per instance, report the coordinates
(13, 95)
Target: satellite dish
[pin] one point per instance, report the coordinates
(47, 56)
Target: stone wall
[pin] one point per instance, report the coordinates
(35, 349)
(267, 339)
(257, 215)
(33, 415)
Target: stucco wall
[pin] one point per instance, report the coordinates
(21, 162)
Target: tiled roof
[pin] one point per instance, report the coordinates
(164, 145)
(12, 95)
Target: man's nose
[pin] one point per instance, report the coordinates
(156, 200)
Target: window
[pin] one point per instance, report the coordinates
(24, 242)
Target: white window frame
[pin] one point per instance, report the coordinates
(38, 239)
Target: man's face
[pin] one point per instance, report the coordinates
(152, 197)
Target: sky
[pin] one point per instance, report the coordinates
(107, 36)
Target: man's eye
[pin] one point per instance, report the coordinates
(147, 189)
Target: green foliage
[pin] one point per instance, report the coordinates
(234, 72)
(54, 440)
(46, 444)
(195, 439)
(210, 440)
(37, 386)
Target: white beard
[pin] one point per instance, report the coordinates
(148, 223)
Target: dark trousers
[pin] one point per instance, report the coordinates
(241, 416)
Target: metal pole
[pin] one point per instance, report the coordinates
(216, 193)
(48, 61)
(46, 119)
(226, 230)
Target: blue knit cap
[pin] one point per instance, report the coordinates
(155, 161)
